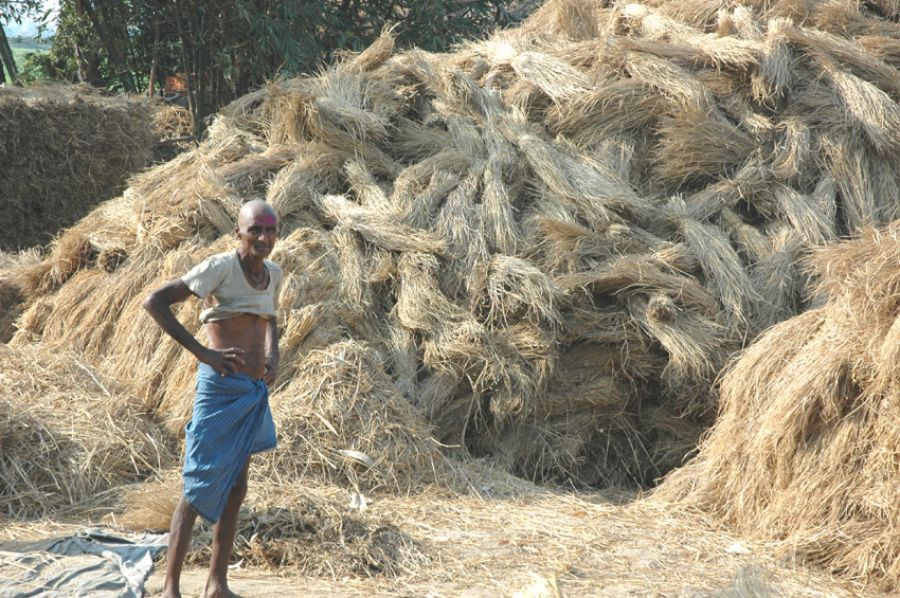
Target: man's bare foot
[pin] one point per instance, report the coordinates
(167, 593)
(218, 590)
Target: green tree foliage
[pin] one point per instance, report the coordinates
(12, 11)
(227, 47)
(75, 54)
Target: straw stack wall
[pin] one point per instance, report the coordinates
(63, 150)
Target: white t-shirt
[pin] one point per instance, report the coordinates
(219, 280)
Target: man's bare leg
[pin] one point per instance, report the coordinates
(223, 540)
(179, 539)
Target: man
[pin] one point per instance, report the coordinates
(231, 418)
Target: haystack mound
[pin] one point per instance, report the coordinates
(63, 150)
(67, 434)
(173, 130)
(343, 420)
(805, 448)
(553, 239)
(11, 298)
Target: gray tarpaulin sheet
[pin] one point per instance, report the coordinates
(93, 562)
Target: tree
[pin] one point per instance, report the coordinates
(227, 47)
(6, 57)
(75, 53)
(13, 10)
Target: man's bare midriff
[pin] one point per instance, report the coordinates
(247, 332)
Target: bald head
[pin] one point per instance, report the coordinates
(254, 209)
(257, 229)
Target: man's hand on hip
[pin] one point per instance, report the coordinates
(224, 361)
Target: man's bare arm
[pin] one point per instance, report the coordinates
(273, 357)
(159, 305)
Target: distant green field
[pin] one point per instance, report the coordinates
(19, 56)
(24, 47)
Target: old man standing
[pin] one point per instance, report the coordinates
(231, 418)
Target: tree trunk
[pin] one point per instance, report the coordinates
(154, 61)
(201, 80)
(114, 56)
(6, 57)
(125, 48)
(242, 75)
(88, 67)
(188, 63)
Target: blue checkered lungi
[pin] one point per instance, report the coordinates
(231, 421)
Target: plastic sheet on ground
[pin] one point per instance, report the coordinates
(93, 562)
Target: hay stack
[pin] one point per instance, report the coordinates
(11, 296)
(173, 130)
(343, 420)
(805, 448)
(63, 150)
(553, 239)
(67, 434)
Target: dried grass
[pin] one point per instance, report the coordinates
(173, 130)
(793, 153)
(696, 147)
(693, 345)
(721, 265)
(342, 420)
(69, 435)
(803, 451)
(311, 530)
(777, 275)
(875, 112)
(380, 229)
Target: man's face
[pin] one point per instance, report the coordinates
(257, 233)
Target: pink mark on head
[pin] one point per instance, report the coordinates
(265, 219)
(257, 213)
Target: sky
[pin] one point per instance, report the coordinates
(28, 28)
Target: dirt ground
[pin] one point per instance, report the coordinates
(545, 545)
(507, 537)
(531, 542)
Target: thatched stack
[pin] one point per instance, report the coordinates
(548, 242)
(805, 450)
(63, 150)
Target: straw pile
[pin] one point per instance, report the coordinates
(290, 527)
(805, 448)
(63, 150)
(67, 435)
(10, 293)
(313, 532)
(173, 131)
(548, 243)
(344, 414)
(171, 121)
